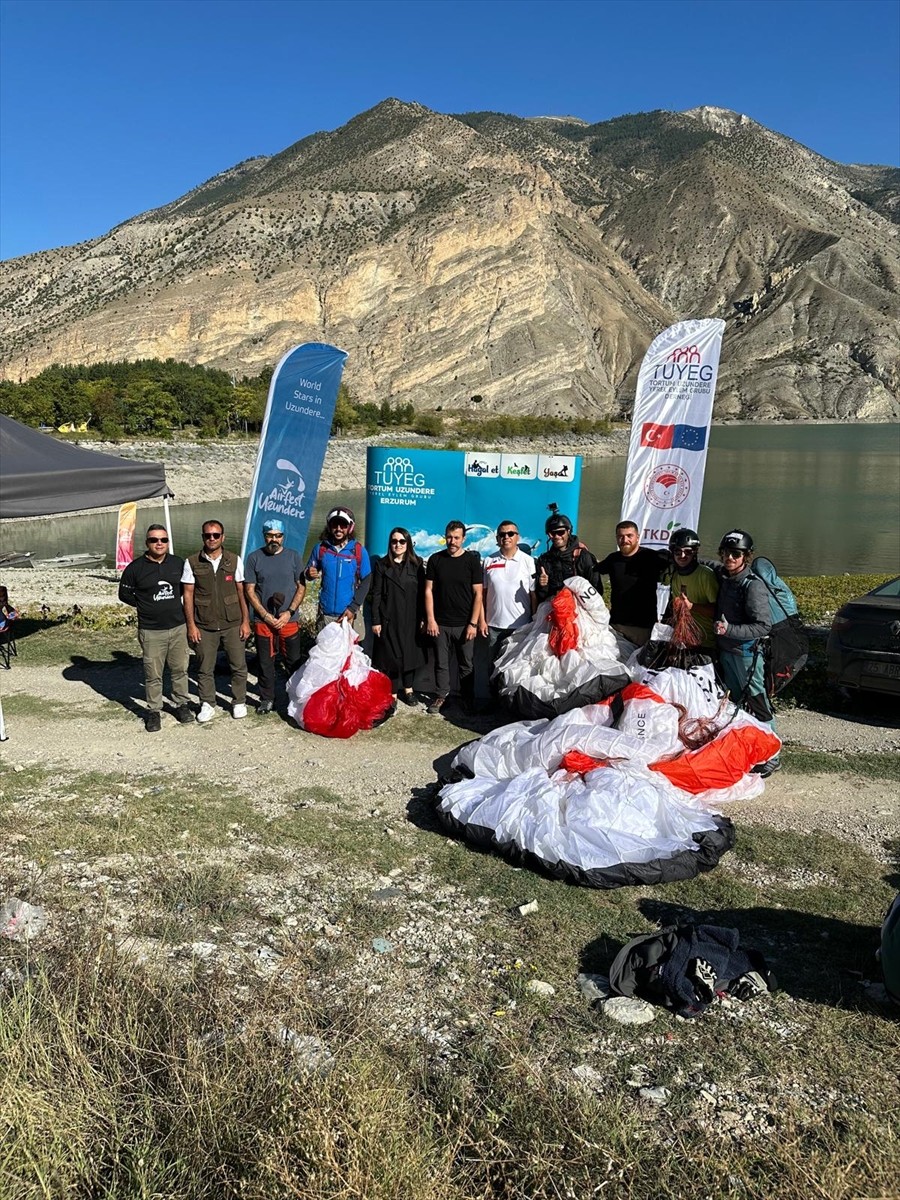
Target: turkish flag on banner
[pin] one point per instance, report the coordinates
(659, 436)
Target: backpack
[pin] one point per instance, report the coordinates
(786, 648)
(357, 554)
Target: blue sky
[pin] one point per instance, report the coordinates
(111, 107)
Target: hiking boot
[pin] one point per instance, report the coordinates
(264, 708)
(436, 705)
(238, 711)
(206, 713)
(152, 722)
(767, 768)
(184, 714)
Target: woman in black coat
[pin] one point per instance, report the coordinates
(398, 611)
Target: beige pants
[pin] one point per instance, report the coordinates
(165, 648)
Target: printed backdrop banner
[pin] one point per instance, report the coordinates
(670, 430)
(421, 490)
(125, 535)
(295, 432)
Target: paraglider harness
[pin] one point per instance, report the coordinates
(785, 649)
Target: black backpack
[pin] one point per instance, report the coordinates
(786, 648)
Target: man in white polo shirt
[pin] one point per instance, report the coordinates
(509, 597)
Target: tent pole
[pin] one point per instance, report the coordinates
(169, 524)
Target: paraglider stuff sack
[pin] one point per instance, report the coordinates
(563, 635)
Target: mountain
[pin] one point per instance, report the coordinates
(529, 261)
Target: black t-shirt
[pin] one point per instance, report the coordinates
(155, 591)
(632, 585)
(453, 580)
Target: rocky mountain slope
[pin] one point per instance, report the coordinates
(526, 261)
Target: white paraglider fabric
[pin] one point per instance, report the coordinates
(627, 792)
(337, 691)
(530, 661)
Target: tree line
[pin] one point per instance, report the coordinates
(155, 398)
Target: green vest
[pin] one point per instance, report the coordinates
(216, 604)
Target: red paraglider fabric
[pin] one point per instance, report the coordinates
(339, 710)
(579, 763)
(722, 762)
(563, 635)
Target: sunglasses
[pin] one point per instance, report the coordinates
(271, 533)
(398, 541)
(211, 537)
(683, 550)
(165, 541)
(732, 554)
(339, 524)
(558, 532)
(508, 533)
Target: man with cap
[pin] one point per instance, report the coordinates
(275, 587)
(343, 566)
(152, 585)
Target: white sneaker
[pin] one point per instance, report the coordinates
(238, 711)
(206, 713)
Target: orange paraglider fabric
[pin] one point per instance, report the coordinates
(722, 762)
(563, 635)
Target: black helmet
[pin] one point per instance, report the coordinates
(737, 539)
(557, 520)
(684, 539)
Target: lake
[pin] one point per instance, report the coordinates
(818, 500)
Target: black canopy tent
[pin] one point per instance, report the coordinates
(40, 475)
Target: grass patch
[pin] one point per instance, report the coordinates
(820, 596)
(859, 766)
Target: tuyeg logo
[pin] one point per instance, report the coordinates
(684, 354)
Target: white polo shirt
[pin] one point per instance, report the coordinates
(508, 584)
(187, 575)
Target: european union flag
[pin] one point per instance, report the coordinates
(689, 437)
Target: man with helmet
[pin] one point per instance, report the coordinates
(694, 586)
(343, 566)
(567, 556)
(744, 617)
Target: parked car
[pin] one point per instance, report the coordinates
(864, 644)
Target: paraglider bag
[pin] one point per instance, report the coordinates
(684, 968)
(786, 650)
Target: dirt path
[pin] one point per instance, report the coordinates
(94, 724)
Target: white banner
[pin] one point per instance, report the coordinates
(670, 430)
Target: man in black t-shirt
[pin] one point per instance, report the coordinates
(152, 585)
(453, 586)
(634, 572)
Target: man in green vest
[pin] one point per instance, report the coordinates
(216, 614)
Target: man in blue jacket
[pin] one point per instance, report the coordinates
(343, 566)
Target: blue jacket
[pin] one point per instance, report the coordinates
(345, 576)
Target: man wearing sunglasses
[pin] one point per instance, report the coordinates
(509, 599)
(216, 612)
(275, 589)
(152, 585)
(343, 566)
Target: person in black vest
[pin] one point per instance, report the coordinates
(566, 557)
(216, 613)
(634, 571)
(453, 586)
(152, 585)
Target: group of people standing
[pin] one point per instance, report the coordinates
(442, 608)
